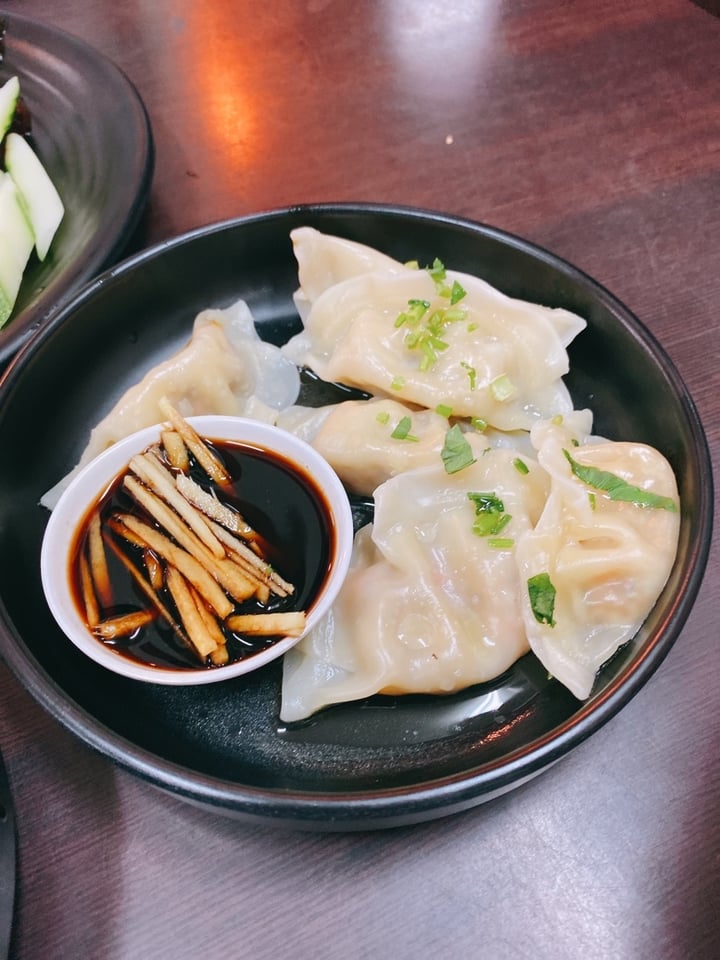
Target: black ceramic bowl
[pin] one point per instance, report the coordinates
(380, 762)
(91, 131)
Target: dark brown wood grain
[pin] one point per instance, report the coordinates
(592, 129)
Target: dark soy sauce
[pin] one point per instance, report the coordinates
(277, 499)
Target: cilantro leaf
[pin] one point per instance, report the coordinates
(618, 489)
(402, 430)
(542, 598)
(456, 452)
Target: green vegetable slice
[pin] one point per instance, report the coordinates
(618, 489)
(456, 452)
(542, 598)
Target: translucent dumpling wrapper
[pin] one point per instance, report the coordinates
(369, 441)
(225, 368)
(429, 605)
(607, 560)
(324, 260)
(487, 355)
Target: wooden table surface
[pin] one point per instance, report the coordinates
(591, 129)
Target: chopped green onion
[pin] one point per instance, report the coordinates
(501, 543)
(412, 264)
(398, 383)
(402, 430)
(618, 489)
(456, 293)
(437, 271)
(521, 466)
(487, 502)
(479, 424)
(557, 419)
(593, 501)
(456, 452)
(542, 598)
(444, 410)
(428, 338)
(471, 372)
(490, 524)
(415, 313)
(502, 388)
(490, 516)
(472, 327)
(383, 416)
(574, 442)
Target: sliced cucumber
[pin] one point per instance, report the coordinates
(9, 93)
(16, 243)
(38, 195)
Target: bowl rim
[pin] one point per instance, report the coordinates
(387, 806)
(93, 480)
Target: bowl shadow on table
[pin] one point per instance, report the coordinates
(66, 798)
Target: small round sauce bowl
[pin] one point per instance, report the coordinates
(281, 486)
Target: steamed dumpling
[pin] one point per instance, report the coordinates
(607, 560)
(324, 260)
(356, 438)
(498, 358)
(429, 605)
(225, 368)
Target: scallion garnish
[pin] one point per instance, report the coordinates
(398, 383)
(383, 417)
(428, 337)
(471, 372)
(542, 598)
(456, 452)
(501, 543)
(479, 424)
(414, 314)
(457, 293)
(502, 388)
(521, 466)
(490, 516)
(437, 272)
(444, 410)
(618, 489)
